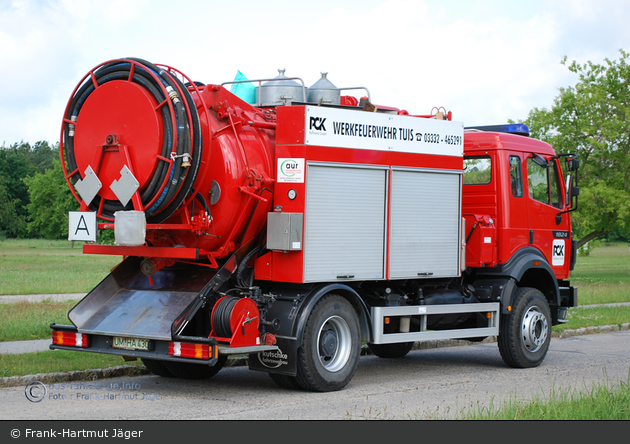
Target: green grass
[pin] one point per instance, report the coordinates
(54, 361)
(601, 402)
(36, 266)
(580, 317)
(31, 320)
(603, 276)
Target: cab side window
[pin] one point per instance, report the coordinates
(554, 177)
(477, 170)
(544, 183)
(516, 176)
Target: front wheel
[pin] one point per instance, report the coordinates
(331, 346)
(525, 334)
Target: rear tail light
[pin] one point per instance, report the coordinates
(69, 338)
(190, 350)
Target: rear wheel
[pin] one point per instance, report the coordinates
(157, 367)
(285, 381)
(391, 350)
(331, 346)
(525, 334)
(185, 370)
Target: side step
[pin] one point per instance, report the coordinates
(422, 311)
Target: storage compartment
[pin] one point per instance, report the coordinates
(480, 240)
(284, 231)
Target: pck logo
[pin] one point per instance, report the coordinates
(317, 123)
(558, 250)
(557, 258)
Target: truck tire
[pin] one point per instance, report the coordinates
(185, 370)
(331, 345)
(285, 381)
(525, 334)
(391, 350)
(157, 367)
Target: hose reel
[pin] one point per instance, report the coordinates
(236, 320)
(131, 113)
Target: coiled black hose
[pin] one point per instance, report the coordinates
(222, 316)
(177, 180)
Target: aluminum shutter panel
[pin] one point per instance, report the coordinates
(424, 224)
(344, 235)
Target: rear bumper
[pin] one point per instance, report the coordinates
(157, 349)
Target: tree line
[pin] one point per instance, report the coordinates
(590, 119)
(34, 196)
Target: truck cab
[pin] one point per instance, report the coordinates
(515, 204)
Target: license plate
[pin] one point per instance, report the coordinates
(131, 343)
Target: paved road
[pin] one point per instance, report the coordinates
(57, 297)
(425, 384)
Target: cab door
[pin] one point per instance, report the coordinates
(549, 232)
(515, 232)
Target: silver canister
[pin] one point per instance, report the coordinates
(324, 92)
(281, 91)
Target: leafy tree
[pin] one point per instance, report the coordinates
(42, 155)
(13, 168)
(10, 223)
(17, 162)
(592, 119)
(50, 202)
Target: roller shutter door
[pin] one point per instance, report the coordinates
(425, 224)
(344, 236)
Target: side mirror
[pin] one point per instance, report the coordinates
(573, 192)
(572, 189)
(572, 164)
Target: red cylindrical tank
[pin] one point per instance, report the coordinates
(196, 159)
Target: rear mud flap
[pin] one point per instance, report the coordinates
(283, 360)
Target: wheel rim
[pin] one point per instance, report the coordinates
(334, 343)
(534, 329)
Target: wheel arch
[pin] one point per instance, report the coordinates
(342, 290)
(529, 268)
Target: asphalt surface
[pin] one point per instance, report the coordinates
(61, 297)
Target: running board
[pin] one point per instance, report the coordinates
(422, 311)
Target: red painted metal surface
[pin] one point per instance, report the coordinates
(236, 149)
(127, 110)
(519, 221)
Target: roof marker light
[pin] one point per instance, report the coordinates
(512, 128)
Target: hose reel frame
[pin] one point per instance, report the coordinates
(172, 182)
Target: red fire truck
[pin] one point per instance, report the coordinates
(299, 224)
